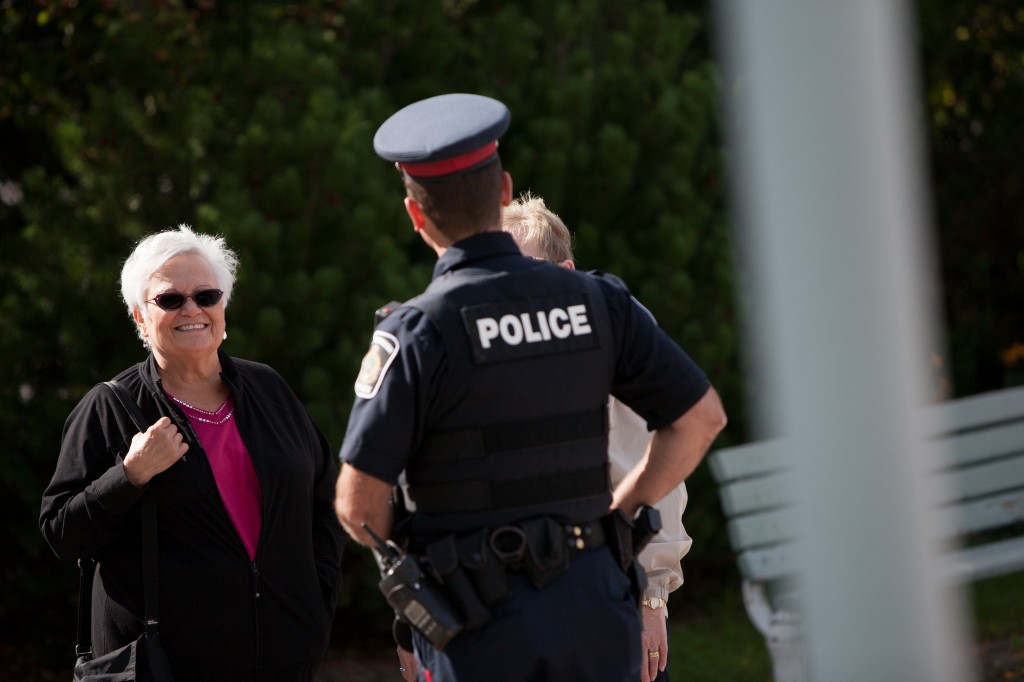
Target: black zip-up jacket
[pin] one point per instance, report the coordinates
(223, 616)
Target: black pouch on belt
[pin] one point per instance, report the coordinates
(485, 571)
(444, 561)
(546, 555)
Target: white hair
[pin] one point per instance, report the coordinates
(152, 252)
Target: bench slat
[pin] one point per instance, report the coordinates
(987, 561)
(768, 564)
(755, 494)
(991, 512)
(763, 529)
(974, 563)
(985, 479)
(752, 495)
(977, 446)
(976, 410)
(752, 459)
(758, 530)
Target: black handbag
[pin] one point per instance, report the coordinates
(144, 659)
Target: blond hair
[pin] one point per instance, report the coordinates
(530, 221)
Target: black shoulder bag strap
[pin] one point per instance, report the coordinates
(87, 566)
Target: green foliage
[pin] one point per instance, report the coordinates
(998, 607)
(973, 59)
(712, 639)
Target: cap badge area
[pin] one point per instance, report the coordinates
(383, 351)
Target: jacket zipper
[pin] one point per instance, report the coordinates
(259, 636)
(263, 517)
(193, 438)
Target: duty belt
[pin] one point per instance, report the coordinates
(509, 543)
(472, 567)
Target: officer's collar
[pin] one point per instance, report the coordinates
(481, 245)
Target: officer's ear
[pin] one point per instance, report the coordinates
(416, 214)
(506, 188)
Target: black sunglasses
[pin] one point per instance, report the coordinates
(203, 299)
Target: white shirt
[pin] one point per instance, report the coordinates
(628, 440)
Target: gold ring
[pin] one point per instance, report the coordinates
(653, 654)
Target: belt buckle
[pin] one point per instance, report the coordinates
(507, 554)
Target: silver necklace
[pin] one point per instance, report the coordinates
(199, 409)
(210, 421)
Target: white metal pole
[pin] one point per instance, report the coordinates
(822, 102)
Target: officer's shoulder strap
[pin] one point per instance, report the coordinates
(614, 280)
(431, 301)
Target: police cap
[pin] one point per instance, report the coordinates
(443, 135)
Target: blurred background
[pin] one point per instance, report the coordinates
(255, 121)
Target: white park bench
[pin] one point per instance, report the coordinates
(984, 435)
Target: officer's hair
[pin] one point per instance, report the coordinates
(530, 221)
(460, 205)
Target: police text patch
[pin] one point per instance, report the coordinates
(531, 327)
(383, 351)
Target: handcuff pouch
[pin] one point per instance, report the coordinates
(443, 556)
(485, 571)
(547, 554)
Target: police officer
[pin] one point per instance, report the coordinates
(490, 390)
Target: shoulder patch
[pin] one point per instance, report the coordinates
(376, 362)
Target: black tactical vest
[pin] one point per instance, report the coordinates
(519, 428)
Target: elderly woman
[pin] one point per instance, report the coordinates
(249, 545)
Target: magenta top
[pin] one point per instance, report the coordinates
(232, 468)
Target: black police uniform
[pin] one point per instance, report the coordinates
(489, 390)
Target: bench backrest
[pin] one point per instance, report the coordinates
(984, 481)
